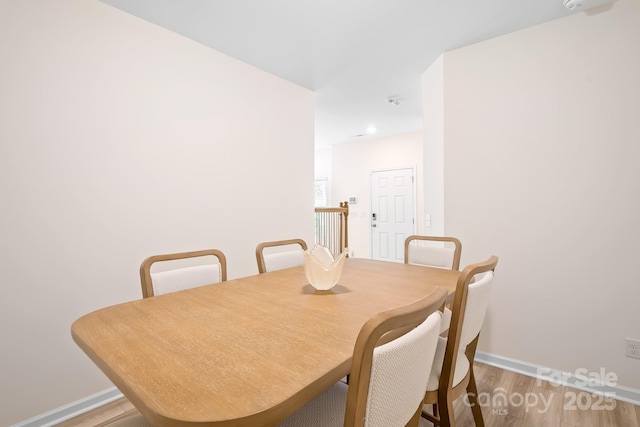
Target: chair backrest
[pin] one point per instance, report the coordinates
(285, 254)
(442, 252)
(388, 382)
(184, 277)
(468, 311)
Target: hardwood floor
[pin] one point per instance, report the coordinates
(507, 399)
(511, 399)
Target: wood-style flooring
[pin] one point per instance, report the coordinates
(507, 399)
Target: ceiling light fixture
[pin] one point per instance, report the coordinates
(371, 129)
(572, 4)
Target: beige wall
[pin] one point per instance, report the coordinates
(541, 168)
(118, 140)
(351, 166)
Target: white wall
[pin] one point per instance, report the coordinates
(433, 150)
(322, 169)
(322, 163)
(119, 140)
(541, 168)
(351, 166)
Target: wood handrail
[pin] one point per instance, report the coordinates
(335, 237)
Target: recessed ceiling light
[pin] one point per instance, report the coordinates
(371, 129)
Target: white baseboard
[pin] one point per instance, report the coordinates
(572, 380)
(66, 412)
(578, 380)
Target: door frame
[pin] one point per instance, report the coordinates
(414, 195)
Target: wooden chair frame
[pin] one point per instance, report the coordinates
(442, 399)
(378, 330)
(262, 268)
(456, 255)
(145, 267)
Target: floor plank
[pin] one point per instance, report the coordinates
(99, 416)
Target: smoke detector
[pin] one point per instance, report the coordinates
(393, 100)
(572, 4)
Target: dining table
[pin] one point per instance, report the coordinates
(248, 351)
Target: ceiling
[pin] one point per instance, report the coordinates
(354, 54)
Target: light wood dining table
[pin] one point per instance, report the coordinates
(248, 351)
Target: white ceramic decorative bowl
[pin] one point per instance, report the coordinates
(322, 271)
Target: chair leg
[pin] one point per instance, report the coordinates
(415, 420)
(472, 389)
(445, 409)
(472, 394)
(432, 418)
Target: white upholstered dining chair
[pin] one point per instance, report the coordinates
(184, 277)
(452, 373)
(276, 255)
(387, 381)
(433, 251)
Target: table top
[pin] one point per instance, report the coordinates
(249, 351)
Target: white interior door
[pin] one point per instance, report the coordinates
(392, 213)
